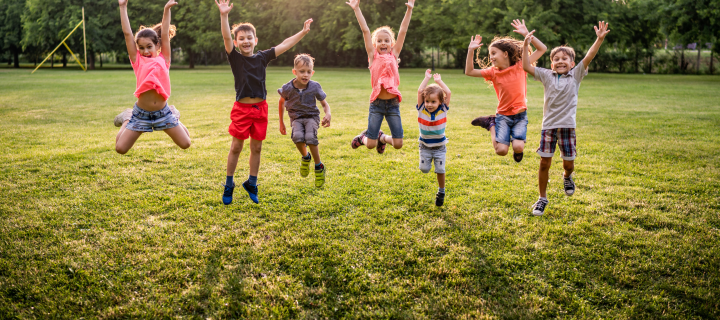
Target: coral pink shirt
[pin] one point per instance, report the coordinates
(510, 86)
(384, 73)
(152, 74)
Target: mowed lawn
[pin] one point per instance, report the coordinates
(86, 232)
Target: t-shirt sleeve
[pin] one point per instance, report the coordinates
(542, 74)
(420, 106)
(267, 56)
(579, 72)
(137, 60)
(283, 91)
(231, 55)
(488, 73)
(320, 95)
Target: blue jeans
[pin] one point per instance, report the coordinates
(509, 128)
(390, 110)
(147, 121)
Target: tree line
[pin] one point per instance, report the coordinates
(640, 28)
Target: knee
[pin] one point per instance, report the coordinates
(185, 145)
(236, 149)
(501, 151)
(371, 144)
(545, 164)
(121, 150)
(256, 148)
(568, 165)
(425, 170)
(397, 144)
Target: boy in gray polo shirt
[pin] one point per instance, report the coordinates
(562, 84)
(299, 97)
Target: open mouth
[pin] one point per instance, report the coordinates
(383, 49)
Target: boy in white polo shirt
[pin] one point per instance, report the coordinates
(562, 84)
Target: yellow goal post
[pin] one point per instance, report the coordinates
(68, 48)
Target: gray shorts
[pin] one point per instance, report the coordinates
(428, 155)
(147, 121)
(305, 130)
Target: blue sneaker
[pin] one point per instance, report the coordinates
(227, 194)
(252, 191)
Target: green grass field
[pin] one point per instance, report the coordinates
(88, 233)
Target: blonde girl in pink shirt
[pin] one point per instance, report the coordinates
(383, 52)
(151, 111)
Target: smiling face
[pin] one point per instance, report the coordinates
(432, 102)
(383, 42)
(303, 73)
(562, 63)
(498, 58)
(147, 48)
(246, 42)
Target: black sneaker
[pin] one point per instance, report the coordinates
(485, 122)
(518, 157)
(539, 207)
(227, 194)
(252, 191)
(569, 185)
(439, 199)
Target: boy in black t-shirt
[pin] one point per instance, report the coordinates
(250, 113)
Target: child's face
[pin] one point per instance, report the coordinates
(562, 63)
(147, 48)
(303, 73)
(246, 42)
(383, 43)
(432, 102)
(498, 58)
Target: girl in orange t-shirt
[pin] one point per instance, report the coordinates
(505, 72)
(149, 52)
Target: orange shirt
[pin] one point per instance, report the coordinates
(384, 73)
(510, 86)
(152, 74)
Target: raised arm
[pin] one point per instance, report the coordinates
(403, 28)
(327, 117)
(444, 87)
(601, 32)
(292, 41)
(423, 84)
(523, 31)
(224, 24)
(127, 30)
(527, 65)
(165, 36)
(469, 63)
(367, 36)
(281, 109)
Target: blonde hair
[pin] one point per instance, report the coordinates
(153, 33)
(434, 89)
(383, 29)
(564, 49)
(304, 59)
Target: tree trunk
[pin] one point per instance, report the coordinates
(637, 56)
(682, 59)
(191, 59)
(52, 61)
(711, 62)
(101, 60)
(697, 68)
(650, 65)
(91, 60)
(64, 59)
(16, 57)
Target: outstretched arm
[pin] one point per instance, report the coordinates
(327, 117)
(165, 36)
(527, 65)
(127, 30)
(224, 24)
(355, 5)
(469, 63)
(281, 109)
(403, 28)
(601, 32)
(423, 84)
(292, 41)
(444, 87)
(523, 31)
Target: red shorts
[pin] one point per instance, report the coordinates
(249, 120)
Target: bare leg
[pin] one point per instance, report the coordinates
(518, 146)
(370, 143)
(315, 153)
(301, 147)
(543, 175)
(569, 166)
(255, 149)
(500, 149)
(396, 143)
(180, 136)
(235, 149)
(125, 139)
(441, 180)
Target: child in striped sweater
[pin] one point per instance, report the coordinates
(433, 101)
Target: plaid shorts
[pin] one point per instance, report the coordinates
(563, 136)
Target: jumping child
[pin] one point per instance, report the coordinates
(433, 105)
(249, 114)
(300, 97)
(383, 52)
(562, 85)
(150, 54)
(505, 71)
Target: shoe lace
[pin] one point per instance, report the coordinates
(568, 182)
(540, 205)
(228, 190)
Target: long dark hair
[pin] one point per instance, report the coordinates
(153, 33)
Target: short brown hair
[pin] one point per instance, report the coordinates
(512, 46)
(434, 89)
(245, 26)
(304, 59)
(564, 49)
(153, 33)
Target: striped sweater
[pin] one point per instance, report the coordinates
(432, 125)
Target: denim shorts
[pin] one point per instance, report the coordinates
(147, 121)
(390, 110)
(509, 128)
(430, 155)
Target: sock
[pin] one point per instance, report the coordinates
(441, 190)
(307, 157)
(229, 181)
(252, 180)
(319, 166)
(543, 198)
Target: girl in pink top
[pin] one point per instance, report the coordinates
(151, 111)
(383, 52)
(505, 72)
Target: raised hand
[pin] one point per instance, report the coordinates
(122, 2)
(602, 31)
(528, 38)
(326, 120)
(354, 4)
(410, 4)
(475, 42)
(306, 26)
(437, 77)
(428, 74)
(223, 6)
(520, 27)
(170, 4)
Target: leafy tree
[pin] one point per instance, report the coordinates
(11, 30)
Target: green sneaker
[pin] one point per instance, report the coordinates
(304, 166)
(320, 177)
